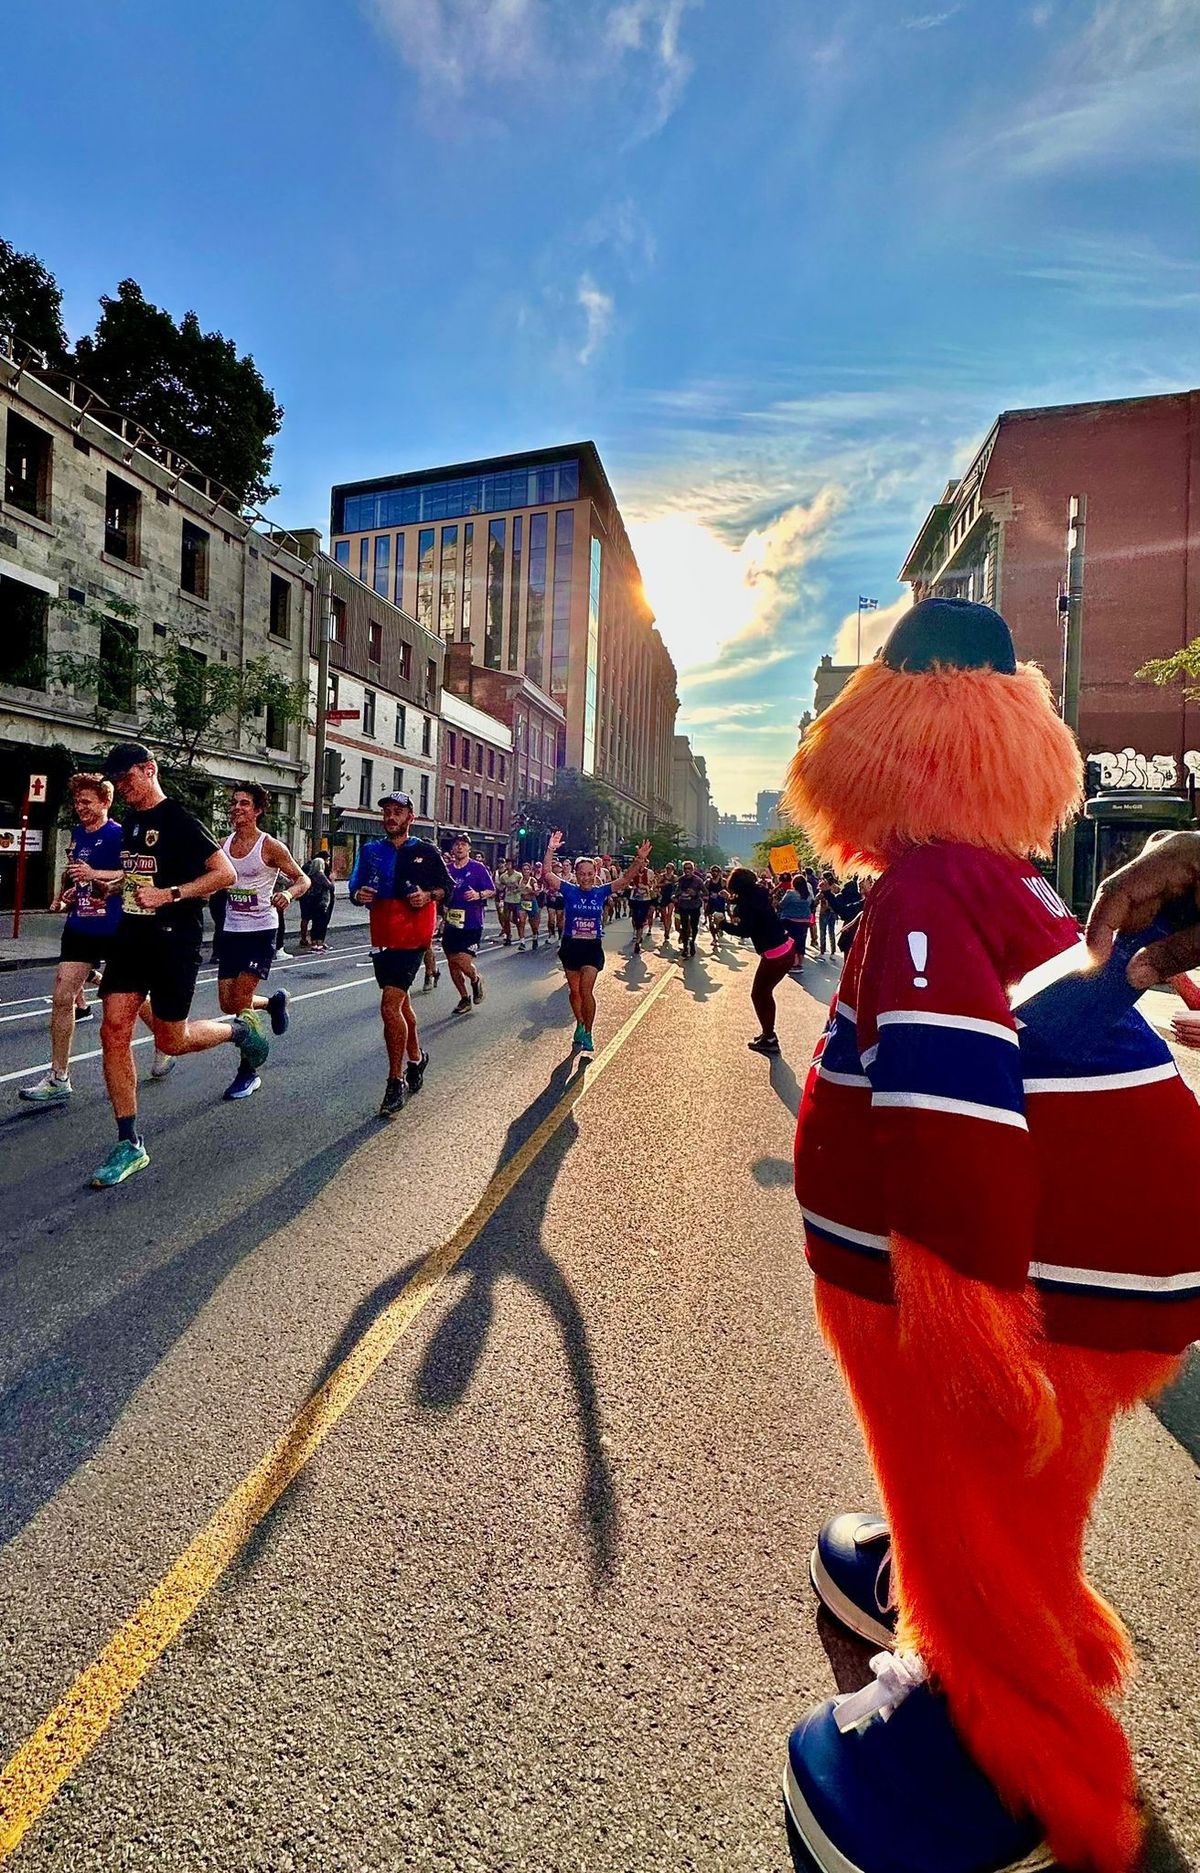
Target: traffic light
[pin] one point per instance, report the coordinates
(335, 774)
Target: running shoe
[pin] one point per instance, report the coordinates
(586, 1044)
(244, 1082)
(578, 1035)
(123, 1160)
(277, 1009)
(477, 990)
(521, 944)
(163, 1064)
(851, 1573)
(283, 956)
(461, 1006)
(48, 1091)
(393, 1099)
(414, 1073)
(764, 1044)
(252, 1040)
(878, 1782)
(535, 942)
(85, 1014)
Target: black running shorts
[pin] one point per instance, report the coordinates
(396, 969)
(159, 963)
(581, 953)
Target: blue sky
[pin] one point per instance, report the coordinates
(783, 262)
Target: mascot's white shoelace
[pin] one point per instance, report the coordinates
(895, 1675)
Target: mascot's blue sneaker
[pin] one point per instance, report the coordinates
(878, 1782)
(851, 1571)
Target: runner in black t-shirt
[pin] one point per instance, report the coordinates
(171, 863)
(689, 902)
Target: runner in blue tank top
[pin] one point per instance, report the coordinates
(581, 951)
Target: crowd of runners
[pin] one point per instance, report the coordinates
(134, 891)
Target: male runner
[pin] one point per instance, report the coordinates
(716, 903)
(689, 902)
(462, 930)
(246, 945)
(582, 949)
(512, 884)
(402, 879)
(171, 863)
(93, 863)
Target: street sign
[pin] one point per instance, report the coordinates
(37, 788)
(342, 715)
(10, 839)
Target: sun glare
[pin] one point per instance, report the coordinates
(697, 587)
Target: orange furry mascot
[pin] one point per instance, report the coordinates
(994, 1285)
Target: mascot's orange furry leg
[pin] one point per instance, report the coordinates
(988, 1535)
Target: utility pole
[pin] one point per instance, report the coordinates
(322, 600)
(1070, 610)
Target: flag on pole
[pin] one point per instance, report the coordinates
(868, 604)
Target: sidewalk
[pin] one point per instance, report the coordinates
(41, 932)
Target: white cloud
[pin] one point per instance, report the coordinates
(719, 712)
(925, 22)
(598, 314)
(653, 26)
(1118, 272)
(875, 628)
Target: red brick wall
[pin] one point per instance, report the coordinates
(1139, 466)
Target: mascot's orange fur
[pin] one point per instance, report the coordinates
(988, 1440)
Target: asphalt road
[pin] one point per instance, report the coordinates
(539, 1601)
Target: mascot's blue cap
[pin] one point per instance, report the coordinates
(951, 631)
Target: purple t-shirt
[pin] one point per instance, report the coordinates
(472, 876)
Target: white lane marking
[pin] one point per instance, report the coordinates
(145, 1040)
(204, 981)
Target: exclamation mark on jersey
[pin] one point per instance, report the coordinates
(918, 949)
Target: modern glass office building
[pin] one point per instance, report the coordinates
(526, 558)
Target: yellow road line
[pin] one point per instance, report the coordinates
(33, 1776)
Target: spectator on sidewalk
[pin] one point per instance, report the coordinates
(316, 906)
(827, 914)
(795, 907)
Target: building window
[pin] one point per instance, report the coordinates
(464, 801)
(535, 605)
(364, 560)
(398, 780)
(424, 796)
(479, 757)
(368, 713)
(491, 807)
(449, 800)
(448, 601)
(277, 735)
(514, 597)
(500, 816)
(116, 689)
(366, 783)
(189, 689)
(591, 679)
(479, 809)
(406, 662)
(451, 748)
(398, 589)
(491, 764)
(341, 553)
(401, 724)
(560, 624)
(122, 512)
(193, 560)
(503, 765)
(375, 641)
(383, 563)
(24, 615)
(27, 457)
(468, 555)
(493, 639)
(431, 678)
(425, 577)
(426, 734)
(337, 621)
(539, 485)
(334, 688)
(535, 744)
(281, 606)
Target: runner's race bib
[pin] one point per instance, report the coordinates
(241, 898)
(129, 884)
(587, 929)
(85, 904)
(456, 919)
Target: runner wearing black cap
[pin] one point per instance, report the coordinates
(402, 880)
(462, 929)
(171, 863)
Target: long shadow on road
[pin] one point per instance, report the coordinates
(63, 1406)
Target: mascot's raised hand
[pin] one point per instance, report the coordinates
(992, 1300)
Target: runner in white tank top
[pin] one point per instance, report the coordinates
(246, 947)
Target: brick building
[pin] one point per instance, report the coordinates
(96, 510)
(526, 559)
(999, 535)
(476, 785)
(537, 724)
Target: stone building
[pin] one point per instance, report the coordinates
(95, 509)
(691, 798)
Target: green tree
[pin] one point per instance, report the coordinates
(784, 835)
(576, 805)
(190, 388)
(710, 855)
(666, 843)
(187, 703)
(1182, 666)
(31, 303)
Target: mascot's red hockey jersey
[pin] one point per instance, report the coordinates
(1003, 1233)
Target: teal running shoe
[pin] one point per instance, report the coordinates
(122, 1161)
(586, 1044)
